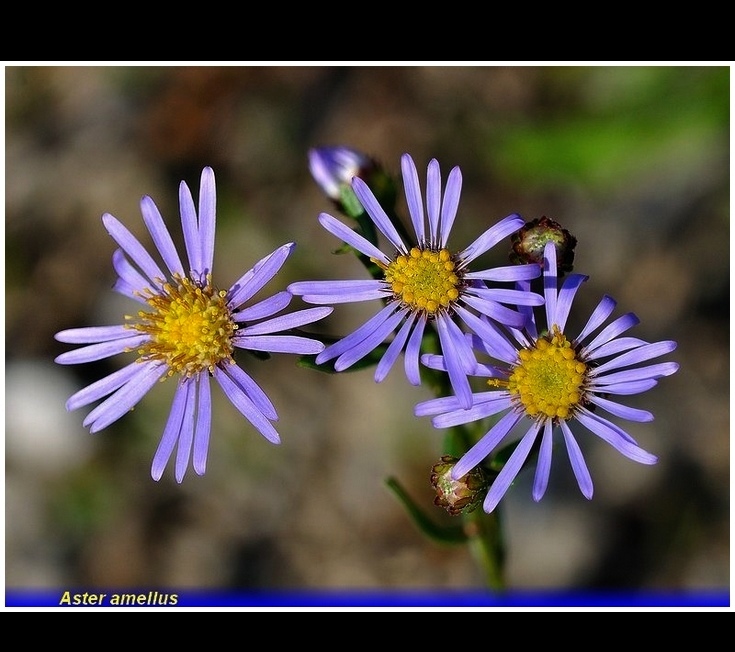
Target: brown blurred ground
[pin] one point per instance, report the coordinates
(652, 223)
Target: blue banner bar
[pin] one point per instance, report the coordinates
(70, 598)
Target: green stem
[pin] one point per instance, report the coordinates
(484, 531)
(486, 542)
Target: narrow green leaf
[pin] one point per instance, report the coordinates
(448, 535)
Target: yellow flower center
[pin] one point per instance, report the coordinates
(191, 327)
(549, 380)
(424, 279)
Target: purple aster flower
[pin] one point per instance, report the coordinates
(548, 381)
(188, 329)
(422, 283)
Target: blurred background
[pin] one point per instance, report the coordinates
(634, 161)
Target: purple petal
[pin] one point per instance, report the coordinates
(203, 425)
(497, 346)
(368, 343)
(286, 322)
(604, 431)
(190, 228)
(510, 469)
(356, 337)
(247, 408)
(186, 433)
(618, 345)
(262, 272)
(161, 236)
(413, 194)
(566, 298)
(550, 284)
(170, 432)
(446, 404)
(279, 344)
(394, 349)
(526, 338)
(608, 424)
(132, 247)
(494, 310)
(579, 466)
(103, 350)
(458, 356)
(93, 334)
(352, 238)
(321, 292)
(130, 281)
(640, 354)
(254, 392)
(483, 370)
(507, 273)
(123, 400)
(601, 312)
(543, 466)
(264, 308)
(450, 204)
(629, 388)
(377, 214)
(487, 443)
(529, 327)
(104, 386)
(514, 297)
(480, 410)
(491, 237)
(123, 287)
(622, 411)
(436, 406)
(643, 373)
(433, 361)
(411, 358)
(611, 331)
(433, 200)
(207, 219)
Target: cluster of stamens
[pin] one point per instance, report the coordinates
(190, 328)
(424, 279)
(549, 379)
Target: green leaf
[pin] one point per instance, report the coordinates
(442, 534)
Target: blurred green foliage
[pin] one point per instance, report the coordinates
(605, 125)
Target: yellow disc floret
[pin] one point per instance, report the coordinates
(424, 279)
(191, 327)
(549, 379)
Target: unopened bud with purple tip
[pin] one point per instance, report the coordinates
(333, 168)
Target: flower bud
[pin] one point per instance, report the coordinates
(530, 240)
(458, 496)
(333, 169)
